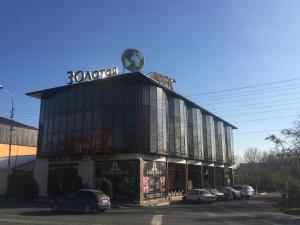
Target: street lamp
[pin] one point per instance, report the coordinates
(11, 131)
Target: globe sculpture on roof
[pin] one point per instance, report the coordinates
(132, 60)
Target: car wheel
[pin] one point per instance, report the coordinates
(87, 209)
(102, 210)
(55, 208)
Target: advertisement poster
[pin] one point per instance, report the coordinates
(154, 180)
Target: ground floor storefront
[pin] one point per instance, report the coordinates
(134, 177)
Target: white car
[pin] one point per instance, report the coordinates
(200, 195)
(246, 191)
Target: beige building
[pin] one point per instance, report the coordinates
(23, 149)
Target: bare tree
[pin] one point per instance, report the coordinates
(252, 155)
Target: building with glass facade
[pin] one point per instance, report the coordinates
(145, 138)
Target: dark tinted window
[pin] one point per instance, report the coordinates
(85, 195)
(90, 118)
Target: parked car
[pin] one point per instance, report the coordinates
(200, 195)
(85, 200)
(220, 196)
(230, 192)
(246, 191)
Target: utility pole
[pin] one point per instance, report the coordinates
(10, 133)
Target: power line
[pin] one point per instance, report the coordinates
(245, 87)
(258, 103)
(269, 118)
(266, 111)
(271, 96)
(257, 107)
(243, 94)
(250, 91)
(258, 131)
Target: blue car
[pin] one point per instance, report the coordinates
(84, 200)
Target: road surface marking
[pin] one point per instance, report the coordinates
(156, 220)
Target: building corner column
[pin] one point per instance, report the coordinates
(86, 170)
(40, 174)
(141, 181)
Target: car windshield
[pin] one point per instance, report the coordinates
(248, 188)
(238, 187)
(205, 192)
(230, 188)
(214, 191)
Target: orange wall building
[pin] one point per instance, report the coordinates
(23, 148)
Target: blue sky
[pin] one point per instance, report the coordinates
(205, 45)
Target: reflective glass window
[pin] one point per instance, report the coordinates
(106, 139)
(78, 120)
(97, 119)
(70, 122)
(79, 97)
(97, 139)
(62, 122)
(86, 141)
(88, 120)
(118, 136)
(106, 119)
(130, 138)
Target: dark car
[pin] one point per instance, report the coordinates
(246, 191)
(220, 196)
(227, 193)
(229, 190)
(85, 200)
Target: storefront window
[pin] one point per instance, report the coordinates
(123, 175)
(62, 178)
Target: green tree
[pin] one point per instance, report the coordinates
(106, 187)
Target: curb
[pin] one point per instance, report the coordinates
(124, 206)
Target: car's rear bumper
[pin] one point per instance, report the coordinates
(228, 196)
(221, 198)
(247, 195)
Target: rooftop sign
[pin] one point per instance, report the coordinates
(164, 80)
(83, 76)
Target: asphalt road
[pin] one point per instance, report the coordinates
(262, 210)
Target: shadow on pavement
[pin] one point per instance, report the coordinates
(49, 213)
(257, 219)
(13, 205)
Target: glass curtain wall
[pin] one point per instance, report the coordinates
(229, 145)
(195, 134)
(90, 118)
(209, 138)
(220, 141)
(177, 127)
(154, 119)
